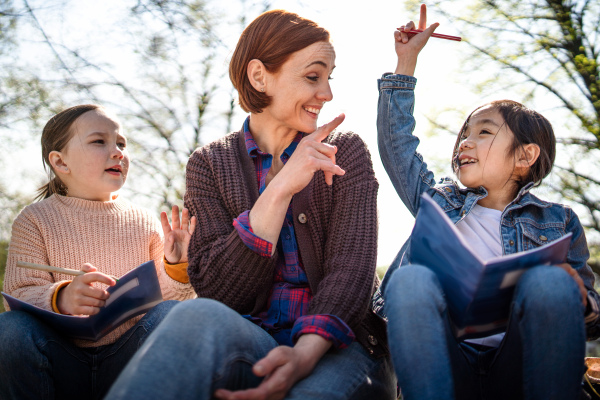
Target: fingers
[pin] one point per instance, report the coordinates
(423, 17)
(91, 277)
(164, 221)
(87, 267)
(573, 273)
(175, 223)
(192, 227)
(274, 359)
(322, 132)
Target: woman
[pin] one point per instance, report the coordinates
(287, 251)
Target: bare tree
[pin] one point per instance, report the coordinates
(159, 64)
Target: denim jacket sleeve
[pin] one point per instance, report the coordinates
(397, 145)
(577, 257)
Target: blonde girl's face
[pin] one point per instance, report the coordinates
(484, 157)
(94, 163)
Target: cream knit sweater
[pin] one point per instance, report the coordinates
(67, 232)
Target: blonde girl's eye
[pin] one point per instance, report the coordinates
(122, 145)
(485, 132)
(98, 141)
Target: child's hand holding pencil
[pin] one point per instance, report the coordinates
(410, 40)
(79, 297)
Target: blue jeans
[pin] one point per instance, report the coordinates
(204, 345)
(36, 362)
(540, 357)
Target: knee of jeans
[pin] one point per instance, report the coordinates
(161, 309)
(547, 288)
(16, 335)
(413, 284)
(203, 310)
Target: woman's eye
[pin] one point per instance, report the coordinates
(330, 77)
(98, 141)
(313, 78)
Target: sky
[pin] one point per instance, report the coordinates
(363, 40)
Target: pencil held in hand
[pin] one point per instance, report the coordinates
(49, 268)
(436, 35)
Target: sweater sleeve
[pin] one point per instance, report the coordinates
(171, 288)
(350, 250)
(221, 266)
(27, 244)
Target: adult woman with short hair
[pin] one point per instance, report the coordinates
(287, 251)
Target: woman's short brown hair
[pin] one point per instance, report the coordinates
(271, 38)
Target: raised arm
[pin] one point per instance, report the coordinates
(395, 122)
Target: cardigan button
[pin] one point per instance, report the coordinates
(302, 218)
(372, 340)
(511, 242)
(543, 238)
(370, 350)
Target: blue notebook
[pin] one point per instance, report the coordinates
(135, 293)
(478, 293)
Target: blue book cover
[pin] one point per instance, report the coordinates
(479, 293)
(135, 293)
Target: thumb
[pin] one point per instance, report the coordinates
(87, 267)
(323, 131)
(429, 31)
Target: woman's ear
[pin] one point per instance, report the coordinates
(257, 75)
(58, 163)
(527, 155)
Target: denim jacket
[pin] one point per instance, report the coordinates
(527, 222)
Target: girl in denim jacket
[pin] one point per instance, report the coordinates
(502, 151)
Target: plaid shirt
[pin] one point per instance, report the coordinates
(284, 318)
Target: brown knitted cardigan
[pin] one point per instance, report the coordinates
(336, 231)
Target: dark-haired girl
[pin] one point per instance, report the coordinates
(502, 151)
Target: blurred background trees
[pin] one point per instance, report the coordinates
(157, 64)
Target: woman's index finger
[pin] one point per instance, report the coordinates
(321, 133)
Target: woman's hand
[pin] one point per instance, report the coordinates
(409, 45)
(177, 235)
(571, 271)
(282, 368)
(309, 157)
(81, 298)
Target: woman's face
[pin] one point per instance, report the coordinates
(301, 87)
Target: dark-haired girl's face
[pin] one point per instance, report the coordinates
(300, 88)
(484, 156)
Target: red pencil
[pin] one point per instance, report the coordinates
(437, 35)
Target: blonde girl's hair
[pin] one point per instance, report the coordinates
(55, 136)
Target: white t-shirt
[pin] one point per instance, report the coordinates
(481, 229)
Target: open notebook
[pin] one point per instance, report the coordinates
(478, 293)
(135, 293)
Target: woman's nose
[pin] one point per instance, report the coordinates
(325, 94)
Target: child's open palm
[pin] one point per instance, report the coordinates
(177, 234)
